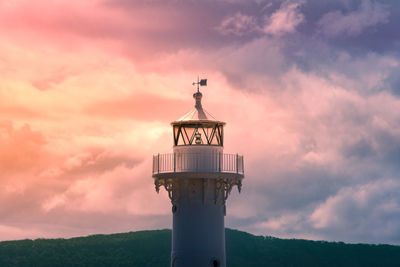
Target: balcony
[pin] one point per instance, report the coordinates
(202, 165)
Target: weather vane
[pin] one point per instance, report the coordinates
(202, 82)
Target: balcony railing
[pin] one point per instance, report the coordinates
(213, 162)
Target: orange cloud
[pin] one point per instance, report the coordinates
(21, 149)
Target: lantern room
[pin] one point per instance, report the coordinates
(198, 127)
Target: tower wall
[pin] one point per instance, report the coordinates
(198, 234)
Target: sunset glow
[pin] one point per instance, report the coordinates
(309, 92)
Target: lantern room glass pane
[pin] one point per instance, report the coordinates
(214, 140)
(188, 133)
(181, 141)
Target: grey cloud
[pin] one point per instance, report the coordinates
(360, 209)
(299, 194)
(281, 21)
(361, 129)
(239, 24)
(369, 14)
(362, 148)
(392, 81)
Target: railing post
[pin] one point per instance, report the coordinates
(174, 162)
(237, 161)
(158, 163)
(242, 164)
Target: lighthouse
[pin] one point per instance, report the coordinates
(198, 177)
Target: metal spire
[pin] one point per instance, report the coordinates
(202, 82)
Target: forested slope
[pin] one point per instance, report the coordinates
(152, 248)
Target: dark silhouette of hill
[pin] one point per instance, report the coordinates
(152, 248)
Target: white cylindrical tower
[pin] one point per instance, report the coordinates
(198, 177)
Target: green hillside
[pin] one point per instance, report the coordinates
(152, 248)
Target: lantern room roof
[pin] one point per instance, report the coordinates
(197, 114)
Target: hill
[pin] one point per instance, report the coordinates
(152, 248)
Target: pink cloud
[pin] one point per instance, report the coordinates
(140, 107)
(285, 19)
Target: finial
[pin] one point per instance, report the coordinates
(197, 96)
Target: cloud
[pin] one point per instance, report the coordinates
(285, 19)
(22, 148)
(331, 139)
(118, 189)
(369, 14)
(54, 78)
(239, 24)
(39, 180)
(85, 102)
(361, 208)
(140, 107)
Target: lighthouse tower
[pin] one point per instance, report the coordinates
(198, 177)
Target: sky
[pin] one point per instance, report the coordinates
(309, 89)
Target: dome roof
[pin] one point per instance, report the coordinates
(197, 114)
